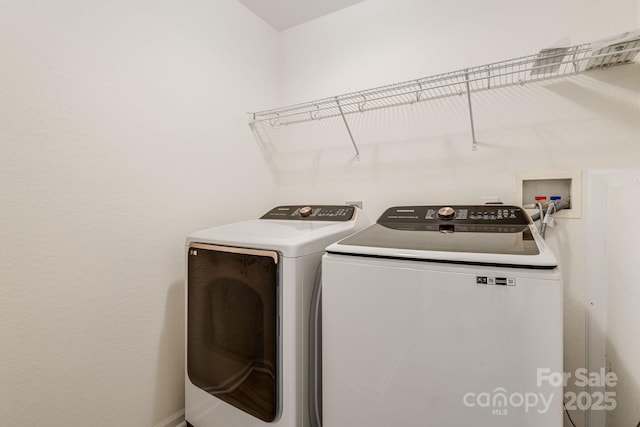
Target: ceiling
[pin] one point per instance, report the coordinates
(283, 14)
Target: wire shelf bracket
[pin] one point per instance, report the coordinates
(474, 142)
(346, 124)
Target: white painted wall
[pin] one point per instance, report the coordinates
(122, 129)
(379, 42)
(424, 155)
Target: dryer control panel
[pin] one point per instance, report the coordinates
(311, 213)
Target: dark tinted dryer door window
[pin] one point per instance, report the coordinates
(232, 326)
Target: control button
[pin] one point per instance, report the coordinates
(446, 228)
(446, 212)
(305, 211)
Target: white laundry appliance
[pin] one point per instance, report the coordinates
(249, 292)
(442, 316)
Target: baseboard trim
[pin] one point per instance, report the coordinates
(175, 420)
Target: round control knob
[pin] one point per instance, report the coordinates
(446, 212)
(305, 211)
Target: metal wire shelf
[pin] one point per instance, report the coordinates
(545, 65)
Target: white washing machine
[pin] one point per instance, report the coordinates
(249, 292)
(442, 316)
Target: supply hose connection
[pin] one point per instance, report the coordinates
(554, 205)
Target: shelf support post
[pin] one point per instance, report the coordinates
(344, 119)
(474, 145)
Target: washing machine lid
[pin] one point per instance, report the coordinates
(294, 230)
(471, 234)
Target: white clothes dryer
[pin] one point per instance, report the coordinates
(249, 287)
(442, 316)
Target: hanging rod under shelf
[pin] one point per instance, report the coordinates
(545, 65)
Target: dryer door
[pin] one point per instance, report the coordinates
(232, 326)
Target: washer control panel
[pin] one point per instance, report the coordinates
(463, 215)
(311, 213)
